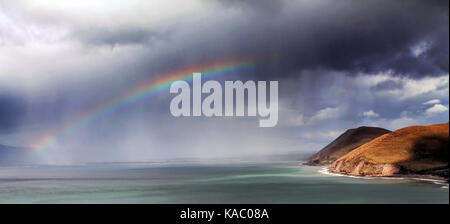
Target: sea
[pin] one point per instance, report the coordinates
(208, 182)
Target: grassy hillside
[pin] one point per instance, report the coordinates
(410, 150)
(346, 142)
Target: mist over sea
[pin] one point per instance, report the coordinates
(244, 182)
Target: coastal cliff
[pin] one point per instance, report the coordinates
(345, 143)
(414, 150)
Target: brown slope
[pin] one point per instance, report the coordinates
(410, 150)
(346, 142)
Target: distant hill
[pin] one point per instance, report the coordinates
(14, 156)
(415, 150)
(346, 142)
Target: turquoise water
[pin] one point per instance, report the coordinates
(206, 183)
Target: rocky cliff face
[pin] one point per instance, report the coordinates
(410, 150)
(346, 142)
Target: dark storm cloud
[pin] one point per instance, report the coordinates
(116, 36)
(263, 5)
(438, 54)
(11, 113)
(388, 85)
(350, 36)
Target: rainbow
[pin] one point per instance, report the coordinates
(143, 91)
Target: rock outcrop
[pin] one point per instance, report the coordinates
(415, 150)
(346, 142)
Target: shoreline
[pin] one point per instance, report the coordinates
(427, 178)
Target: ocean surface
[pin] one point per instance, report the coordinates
(207, 183)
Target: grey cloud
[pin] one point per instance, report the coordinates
(350, 36)
(388, 85)
(116, 36)
(259, 5)
(12, 110)
(438, 54)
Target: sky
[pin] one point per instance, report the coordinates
(339, 64)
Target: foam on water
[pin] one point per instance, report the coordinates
(438, 182)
